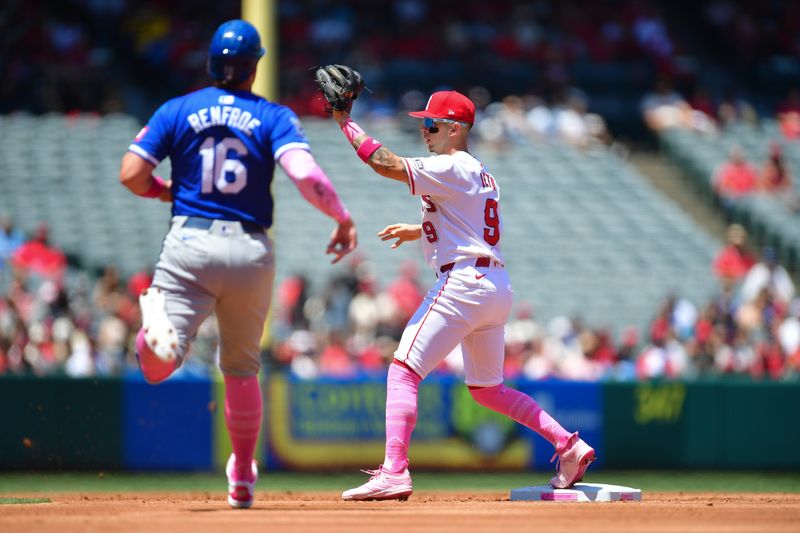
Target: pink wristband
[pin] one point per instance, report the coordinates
(367, 148)
(156, 188)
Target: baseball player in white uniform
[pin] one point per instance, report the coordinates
(461, 230)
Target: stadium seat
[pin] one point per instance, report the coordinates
(583, 233)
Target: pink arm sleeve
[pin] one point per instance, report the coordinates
(312, 183)
(352, 131)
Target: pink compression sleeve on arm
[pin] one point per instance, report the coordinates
(352, 131)
(312, 183)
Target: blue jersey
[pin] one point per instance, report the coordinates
(223, 146)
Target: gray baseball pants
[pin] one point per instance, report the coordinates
(222, 269)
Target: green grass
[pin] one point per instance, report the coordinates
(6, 501)
(666, 481)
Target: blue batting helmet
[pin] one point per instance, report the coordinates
(234, 51)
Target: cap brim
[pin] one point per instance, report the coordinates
(428, 114)
(424, 114)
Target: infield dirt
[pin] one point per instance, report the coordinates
(427, 511)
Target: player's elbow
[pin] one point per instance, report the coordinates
(131, 180)
(126, 177)
(134, 171)
(299, 165)
(395, 172)
(301, 174)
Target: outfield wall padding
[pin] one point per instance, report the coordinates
(733, 423)
(60, 423)
(325, 424)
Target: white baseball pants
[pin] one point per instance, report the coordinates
(468, 306)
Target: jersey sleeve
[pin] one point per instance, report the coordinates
(287, 133)
(435, 176)
(153, 141)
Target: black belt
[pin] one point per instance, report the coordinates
(479, 262)
(205, 223)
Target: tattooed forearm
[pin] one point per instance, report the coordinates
(388, 164)
(383, 157)
(370, 150)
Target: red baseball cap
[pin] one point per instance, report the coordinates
(451, 105)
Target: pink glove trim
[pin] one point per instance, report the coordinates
(157, 186)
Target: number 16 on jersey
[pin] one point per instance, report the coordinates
(216, 165)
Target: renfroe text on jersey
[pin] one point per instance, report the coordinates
(225, 115)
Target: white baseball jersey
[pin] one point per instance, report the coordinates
(468, 306)
(460, 213)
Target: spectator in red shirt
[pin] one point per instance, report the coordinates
(138, 282)
(335, 360)
(405, 291)
(734, 260)
(38, 257)
(736, 177)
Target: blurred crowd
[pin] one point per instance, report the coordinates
(523, 63)
(504, 46)
(57, 320)
(766, 173)
(103, 55)
(737, 177)
(752, 32)
(535, 69)
(519, 120)
(750, 327)
(664, 107)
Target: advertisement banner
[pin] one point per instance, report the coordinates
(329, 423)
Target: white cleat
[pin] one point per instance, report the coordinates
(241, 492)
(159, 333)
(382, 485)
(573, 461)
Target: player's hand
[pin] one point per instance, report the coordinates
(166, 194)
(401, 232)
(339, 116)
(344, 240)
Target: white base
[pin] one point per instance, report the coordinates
(580, 492)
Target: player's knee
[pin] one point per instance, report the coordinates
(487, 396)
(239, 364)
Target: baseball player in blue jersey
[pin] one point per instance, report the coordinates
(223, 142)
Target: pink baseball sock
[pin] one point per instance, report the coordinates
(243, 419)
(154, 369)
(523, 409)
(402, 384)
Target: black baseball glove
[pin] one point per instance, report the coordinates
(340, 85)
